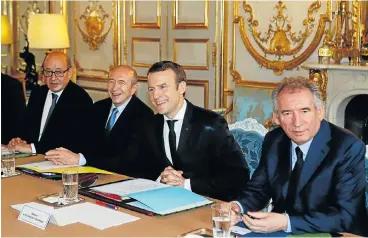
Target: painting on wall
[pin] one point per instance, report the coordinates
(252, 99)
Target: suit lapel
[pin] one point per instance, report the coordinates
(283, 168)
(186, 128)
(316, 154)
(158, 131)
(124, 116)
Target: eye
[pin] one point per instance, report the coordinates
(121, 82)
(163, 86)
(150, 89)
(305, 111)
(286, 113)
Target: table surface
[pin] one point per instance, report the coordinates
(25, 188)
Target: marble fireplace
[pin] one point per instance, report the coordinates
(340, 83)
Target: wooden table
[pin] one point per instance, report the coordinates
(25, 188)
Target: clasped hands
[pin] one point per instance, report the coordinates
(20, 145)
(172, 177)
(261, 222)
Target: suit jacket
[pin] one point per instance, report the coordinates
(67, 125)
(13, 108)
(208, 154)
(330, 192)
(107, 150)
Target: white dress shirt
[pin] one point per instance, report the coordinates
(177, 127)
(82, 159)
(45, 113)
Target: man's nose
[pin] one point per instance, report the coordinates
(297, 120)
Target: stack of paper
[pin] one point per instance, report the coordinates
(86, 213)
(50, 167)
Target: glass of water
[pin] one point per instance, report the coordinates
(221, 219)
(70, 184)
(7, 161)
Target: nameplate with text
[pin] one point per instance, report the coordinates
(34, 217)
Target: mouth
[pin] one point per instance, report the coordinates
(116, 94)
(160, 103)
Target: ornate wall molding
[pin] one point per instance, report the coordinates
(279, 40)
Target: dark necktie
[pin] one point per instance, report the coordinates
(111, 121)
(172, 139)
(54, 99)
(294, 179)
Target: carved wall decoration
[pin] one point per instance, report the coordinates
(280, 40)
(94, 18)
(31, 10)
(320, 78)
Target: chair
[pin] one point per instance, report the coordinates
(366, 181)
(249, 134)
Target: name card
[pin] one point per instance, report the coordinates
(34, 217)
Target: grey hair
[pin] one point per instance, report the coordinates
(297, 83)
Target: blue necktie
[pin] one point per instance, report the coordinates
(111, 121)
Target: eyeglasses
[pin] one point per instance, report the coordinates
(58, 72)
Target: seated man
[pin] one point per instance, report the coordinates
(113, 122)
(13, 107)
(185, 145)
(312, 170)
(57, 113)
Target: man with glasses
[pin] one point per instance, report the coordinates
(114, 122)
(57, 113)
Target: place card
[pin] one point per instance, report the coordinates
(34, 217)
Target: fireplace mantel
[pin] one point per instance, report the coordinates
(340, 83)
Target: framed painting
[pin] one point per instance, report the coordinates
(252, 99)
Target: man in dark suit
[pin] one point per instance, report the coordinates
(57, 113)
(188, 146)
(13, 106)
(113, 122)
(312, 170)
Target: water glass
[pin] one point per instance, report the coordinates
(7, 161)
(221, 219)
(70, 184)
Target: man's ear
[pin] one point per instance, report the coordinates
(275, 119)
(182, 87)
(134, 89)
(321, 112)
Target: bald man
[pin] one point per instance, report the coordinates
(115, 121)
(57, 112)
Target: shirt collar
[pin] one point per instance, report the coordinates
(181, 113)
(304, 147)
(57, 93)
(122, 106)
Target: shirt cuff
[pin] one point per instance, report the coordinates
(288, 230)
(187, 184)
(82, 160)
(33, 149)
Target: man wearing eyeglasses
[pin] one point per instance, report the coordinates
(114, 122)
(57, 113)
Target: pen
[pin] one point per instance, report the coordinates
(104, 204)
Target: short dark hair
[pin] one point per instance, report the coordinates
(165, 65)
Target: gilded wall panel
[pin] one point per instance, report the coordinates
(185, 49)
(190, 14)
(145, 51)
(271, 39)
(95, 58)
(145, 14)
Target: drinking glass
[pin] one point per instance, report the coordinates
(221, 220)
(7, 161)
(70, 184)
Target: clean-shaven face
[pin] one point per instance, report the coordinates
(298, 115)
(120, 86)
(56, 62)
(166, 96)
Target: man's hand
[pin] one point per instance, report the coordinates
(23, 148)
(235, 213)
(172, 177)
(15, 141)
(61, 156)
(265, 222)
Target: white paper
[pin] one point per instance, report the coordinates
(240, 230)
(86, 213)
(46, 165)
(102, 217)
(131, 186)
